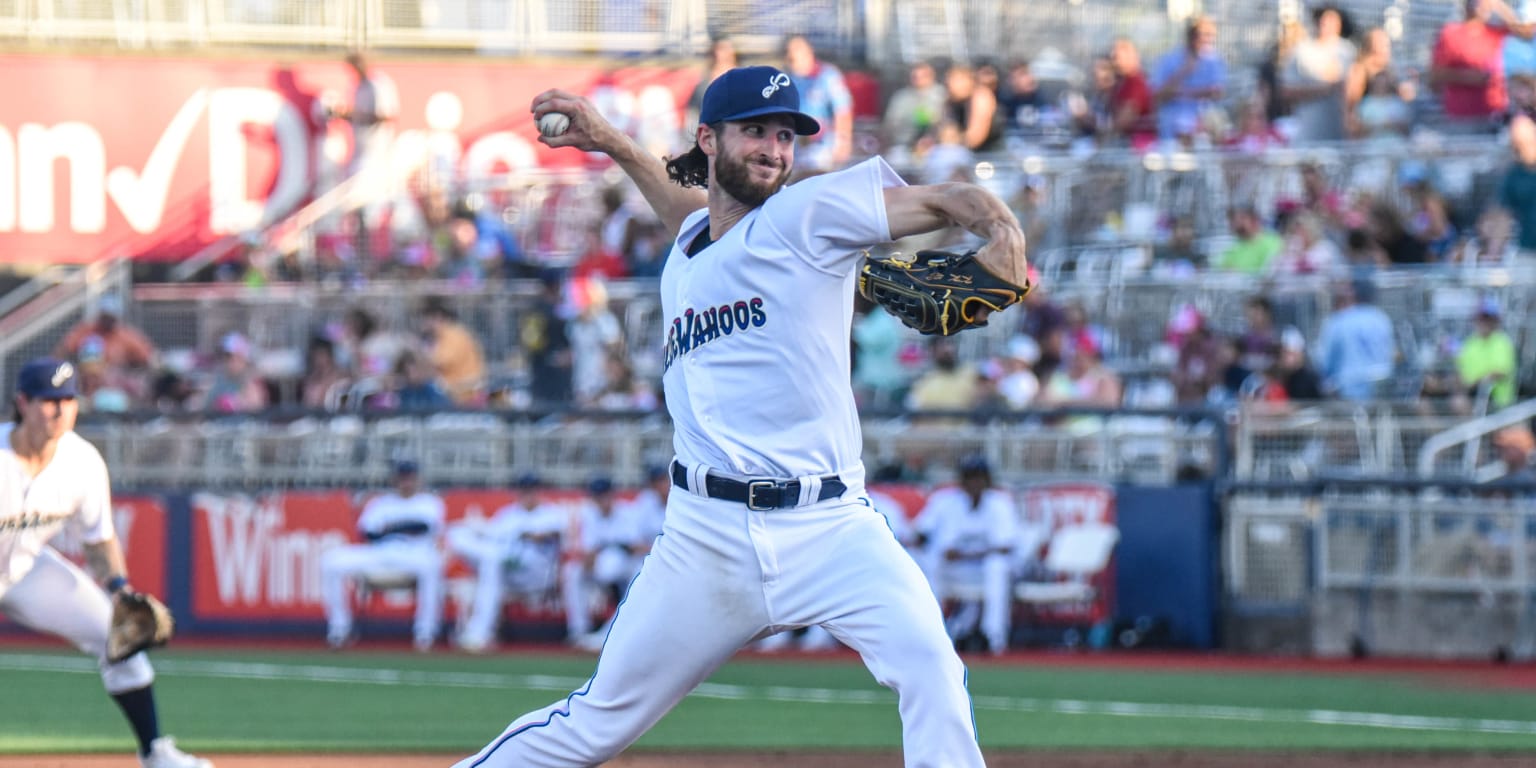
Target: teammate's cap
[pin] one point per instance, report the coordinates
(974, 464)
(527, 480)
(600, 486)
(407, 467)
(46, 378)
(746, 92)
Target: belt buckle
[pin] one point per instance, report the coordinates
(752, 488)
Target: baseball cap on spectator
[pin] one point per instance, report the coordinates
(46, 378)
(1024, 348)
(1488, 308)
(747, 92)
(109, 304)
(1291, 340)
(599, 486)
(234, 343)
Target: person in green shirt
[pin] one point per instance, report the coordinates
(1255, 245)
(1488, 355)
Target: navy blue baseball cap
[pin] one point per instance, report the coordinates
(527, 481)
(406, 467)
(47, 378)
(747, 92)
(974, 464)
(600, 486)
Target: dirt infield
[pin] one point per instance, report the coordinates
(1032, 759)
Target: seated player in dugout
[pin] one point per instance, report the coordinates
(611, 540)
(50, 478)
(400, 530)
(768, 528)
(516, 551)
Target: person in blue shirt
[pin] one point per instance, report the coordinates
(1187, 81)
(1358, 345)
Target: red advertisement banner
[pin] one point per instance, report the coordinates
(157, 157)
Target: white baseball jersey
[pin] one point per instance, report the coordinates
(773, 402)
(390, 509)
(951, 522)
(622, 527)
(650, 509)
(72, 489)
(515, 521)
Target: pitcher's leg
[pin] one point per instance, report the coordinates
(58, 598)
(671, 632)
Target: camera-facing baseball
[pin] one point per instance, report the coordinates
(554, 124)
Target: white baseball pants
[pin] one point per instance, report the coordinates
(721, 576)
(420, 560)
(58, 598)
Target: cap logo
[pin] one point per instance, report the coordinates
(62, 374)
(776, 82)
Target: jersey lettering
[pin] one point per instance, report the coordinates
(695, 328)
(30, 520)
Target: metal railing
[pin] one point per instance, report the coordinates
(280, 449)
(35, 323)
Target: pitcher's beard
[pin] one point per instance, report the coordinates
(735, 179)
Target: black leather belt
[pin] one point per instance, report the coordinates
(758, 495)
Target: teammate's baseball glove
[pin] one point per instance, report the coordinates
(938, 292)
(139, 621)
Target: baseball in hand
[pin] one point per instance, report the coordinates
(554, 124)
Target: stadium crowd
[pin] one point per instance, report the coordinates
(1322, 83)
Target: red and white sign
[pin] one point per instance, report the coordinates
(140, 523)
(155, 158)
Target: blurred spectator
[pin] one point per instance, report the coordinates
(594, 335)
(823, 95)
(486, 245)
(1519, 54)
(1201, 358)
(878, 376)
(722, 58)
(915, 109)
(1487, 358)
(122, 352)
(454, 352)
(1020, 100)
(948, 159)
(1517, 193)
(1468, 66)
(375, 103)
(1254, 134)
(1255, 246)
(1428, 221)
(1321, 197)
(1275, 60)
(1078, 332)
(548, 347)
(321, 373)
(1361, 252)
(1093, 112)
(599, 261)
(236, 387)
(1376, 101)
(972, 107)
(948, 386)
(1516, 447)
(1188, 81)
(648, 247)
(370, 350)
(1390, 233)
(1131, 104)
(1357, 342)
(623, 391)
(1180, 255)
(1260, 339)
(1019, 386)
(1294, 371)
(1083, 382)
(1307, 250)
(1493, 242)
(416, 387)
(1313, 81)
(1042, 322)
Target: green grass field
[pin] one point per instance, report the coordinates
(224, 700)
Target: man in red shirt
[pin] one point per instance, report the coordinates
(1131, 102)
(1467, 65)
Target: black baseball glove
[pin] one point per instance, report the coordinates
(139, 622)
(938, 292)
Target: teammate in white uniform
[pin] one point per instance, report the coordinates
(518, 548)
(49, 478)
(611, 539)
(401, 529)
(768, 528)
(970, 532)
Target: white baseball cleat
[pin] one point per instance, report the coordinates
(164, 754)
